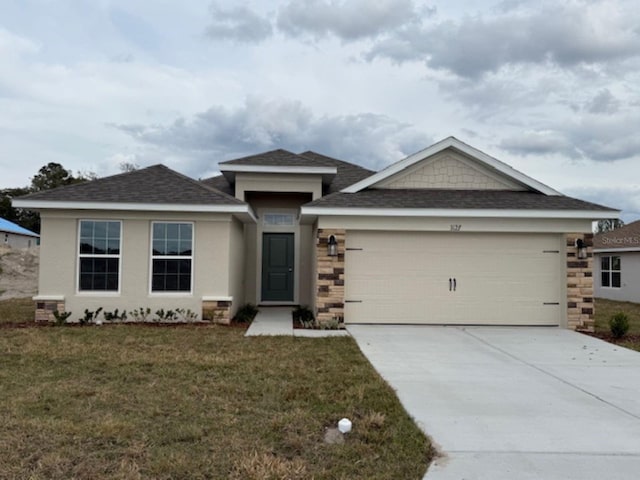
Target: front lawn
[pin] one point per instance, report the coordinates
(605, 309)
(17, 310)
(127, 402)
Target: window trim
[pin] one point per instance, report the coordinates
(172, 257)
(610, 271)
(119, 256)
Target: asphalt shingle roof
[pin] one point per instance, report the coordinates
(156, 184)
(623, 237)
(347, 173)
(456, 199)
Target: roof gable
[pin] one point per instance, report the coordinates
(449, 170)
(484, 162)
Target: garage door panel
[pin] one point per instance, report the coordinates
(500, 279)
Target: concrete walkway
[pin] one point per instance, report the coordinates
(514, 403)
(273, 321)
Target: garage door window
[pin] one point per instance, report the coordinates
(610, 271)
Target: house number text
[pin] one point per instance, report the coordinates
(455, 227)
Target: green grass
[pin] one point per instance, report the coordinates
(605, 309)
(17, 310)
(127, 402)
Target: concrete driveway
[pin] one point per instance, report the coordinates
(514, 402)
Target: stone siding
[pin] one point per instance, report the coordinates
(580, 307)
(450, 173)
(330, 277)
(45, 309)
(217, 311)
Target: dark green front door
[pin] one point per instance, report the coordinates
(277, 267)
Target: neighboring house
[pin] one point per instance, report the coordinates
(617, 263)
(448, 235)
(13, 235)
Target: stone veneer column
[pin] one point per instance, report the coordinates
(217, 311)
(580, 308)
(330, 277)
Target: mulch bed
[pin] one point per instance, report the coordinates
(8, 325)
(607, 337)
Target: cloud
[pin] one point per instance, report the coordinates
(220, 133)
(239, 24)
(626, 199)
(603, 102)
(539, 143)
(348, 20)
(15, 45)
(580, 32)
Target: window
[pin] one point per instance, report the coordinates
(6, 238)
(279, 219)
(610, 271)
(171, 257)
(99, 252)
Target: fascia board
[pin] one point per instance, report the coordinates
(454, 213)
(119, 206)
(278, 169)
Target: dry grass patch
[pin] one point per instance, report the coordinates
(200, 403)
(605, 309)
(17, 310)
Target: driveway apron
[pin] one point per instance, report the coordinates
(514, 402)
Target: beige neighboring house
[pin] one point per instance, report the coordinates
(617, 263)
(448, 235)
(15, 236)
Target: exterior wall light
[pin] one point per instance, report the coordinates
(581, 249)
(332, 246)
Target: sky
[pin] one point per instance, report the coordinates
(551, 88)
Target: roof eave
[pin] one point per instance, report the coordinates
(460, 212)
(238, 209)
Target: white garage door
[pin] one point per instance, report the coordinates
(453, 278)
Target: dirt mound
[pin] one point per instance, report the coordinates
(18, 272)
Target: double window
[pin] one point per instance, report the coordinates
(171, 257)
(610, 271)
(99, 252)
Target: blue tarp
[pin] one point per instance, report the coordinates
(10, 227)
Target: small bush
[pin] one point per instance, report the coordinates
(89, 316)
(619, 325)
(246, 313)
(61, 317)
(305, 316)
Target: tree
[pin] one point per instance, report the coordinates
(608, 225)
(52, 175)
(128, 167)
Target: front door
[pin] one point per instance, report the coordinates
(277, 267)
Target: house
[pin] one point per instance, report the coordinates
(448, 235)
(617, 263)
(13, 235)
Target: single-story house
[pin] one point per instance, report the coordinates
(617, 263)
(448, 235)
(15, 236)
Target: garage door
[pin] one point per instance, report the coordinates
(457, 278)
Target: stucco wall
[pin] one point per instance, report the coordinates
(212, 260)
(629, 290)
(272, 182)
(236, 264)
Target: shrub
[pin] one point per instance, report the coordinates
(305, 316)
(141, 314)
(89, 316)
(246, 313)
(168, 316)
(61, 317)
(115, 315)
(619, 325)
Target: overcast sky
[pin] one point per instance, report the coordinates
(551, 88)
